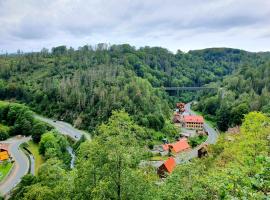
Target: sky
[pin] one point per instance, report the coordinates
(30, 25)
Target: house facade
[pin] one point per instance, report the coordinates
(193, 122)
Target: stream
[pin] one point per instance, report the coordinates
(72, 154)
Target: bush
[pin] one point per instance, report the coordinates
(21, 121)
(54, 145)
(156, 121)
(150, 145)
(197, 140)
(170, 130)
(4, 132)
(37, 130)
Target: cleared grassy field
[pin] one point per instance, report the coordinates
(4, 170)
(39, 160)
(158, 158)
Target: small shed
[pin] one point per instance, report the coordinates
(166, 168)
(202, 152)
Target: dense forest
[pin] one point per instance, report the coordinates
(18, 119)
(248, 89)
(117, 94)
(84, 86)
(237, 167)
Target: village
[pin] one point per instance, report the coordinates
(176, 151)
(181, 150)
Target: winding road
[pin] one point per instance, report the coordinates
(212, 133)
(21, 164)
(193, 153)
(65, 128)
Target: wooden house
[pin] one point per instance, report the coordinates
(179, 146)
(166, 168)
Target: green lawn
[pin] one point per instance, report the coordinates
(158, 158)
(39, 160)
(4, 169)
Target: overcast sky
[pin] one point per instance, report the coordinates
(30, 25)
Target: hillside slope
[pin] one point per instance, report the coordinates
(83, 86)
(248, 89)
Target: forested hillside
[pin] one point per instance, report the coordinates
(83, 86)
(117, 94)
(237, 167)
(248, 89)
(107, 168)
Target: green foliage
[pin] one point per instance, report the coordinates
(54, 145)
(19, 120)
(244, 91)
(197, 140)
(170, 130)
(5, 168)
(83, 86)
(107, 165)
(38, 129)
(52, 182)
(19, 190)
(87, 85)
(266, 109)
(106, 168)
(4, 132)
(236, 167)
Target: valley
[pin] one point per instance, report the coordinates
(120, 99)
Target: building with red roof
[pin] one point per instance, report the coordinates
(193, 122)
(181, 145)
(167, 167)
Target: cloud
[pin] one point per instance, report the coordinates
(174, 24)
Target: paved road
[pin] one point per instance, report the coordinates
(212, 133)
(21, 164)
(65, 128)
(193, 153)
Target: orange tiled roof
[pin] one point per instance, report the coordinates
(193, 118)
(180, 145)
(4, 155)
(170, 164)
